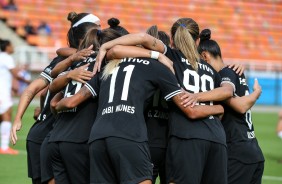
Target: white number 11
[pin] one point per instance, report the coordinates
(128, 69)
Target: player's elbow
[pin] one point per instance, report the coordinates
(242, 109)
(70, 103)
(112, 53)
(227, 92)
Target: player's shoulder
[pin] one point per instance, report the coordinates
(226, 71)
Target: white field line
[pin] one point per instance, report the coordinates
(272, 178)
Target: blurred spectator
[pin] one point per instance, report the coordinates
(25, 74)
(29, 29)
(44, 29)
(11, 6)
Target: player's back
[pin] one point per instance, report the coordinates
(123, 93)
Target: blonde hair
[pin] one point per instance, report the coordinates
(109, 68)
(185, 32)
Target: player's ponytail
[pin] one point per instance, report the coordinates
(161, 35)
(91, 38)
(109, 68)
(185, 32)
(153, 31)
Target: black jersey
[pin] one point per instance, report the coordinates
(156, 116)
(122, 97)
(74, 125)
(45, 120)
(240, 135)
(205, 79)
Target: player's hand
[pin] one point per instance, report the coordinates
(36, 113)
(80, 74)
(257, 88)
(82, 54)
(17, 125)
(99, 59)
(189, 99)
(237, 67)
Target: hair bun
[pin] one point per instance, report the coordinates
(72, 16)
(205, 34)
(113, 22)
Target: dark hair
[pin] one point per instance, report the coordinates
(206, 44)
(4, 44)
(114, 24)
(97, 37)
(161, 35)
(75, 34)
(184, 33)
(108, 34)
(90, 38)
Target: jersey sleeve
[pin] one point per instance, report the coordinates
(165, 80)
(93, 85)
(46, 73)
(228, 76)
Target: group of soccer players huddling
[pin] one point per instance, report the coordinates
(128, 108)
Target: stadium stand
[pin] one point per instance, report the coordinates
(244, 29)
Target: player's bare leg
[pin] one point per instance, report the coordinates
(5, 133)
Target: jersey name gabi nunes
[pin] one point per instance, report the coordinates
(123, 94)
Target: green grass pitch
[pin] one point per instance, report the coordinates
(14, 168)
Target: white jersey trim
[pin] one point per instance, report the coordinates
(46, 76)
(169, 96)
(92, 91)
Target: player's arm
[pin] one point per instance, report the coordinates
(244, 103)
(67, 51)
(218, 94)
(78, 74)
(146, 40)
(120, 51)
(59, 96)
(29, 93)
(73, 101)
(63, 65)
(198, 111)
(15, 74)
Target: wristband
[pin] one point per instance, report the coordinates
(155, 54)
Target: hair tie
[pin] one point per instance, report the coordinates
(183, 25)
(99, 32)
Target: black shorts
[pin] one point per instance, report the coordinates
(46, 162)
(192, 161)
(116, 160)
(158, 157)
(33, 159)
(239, 172)
(70, 162)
